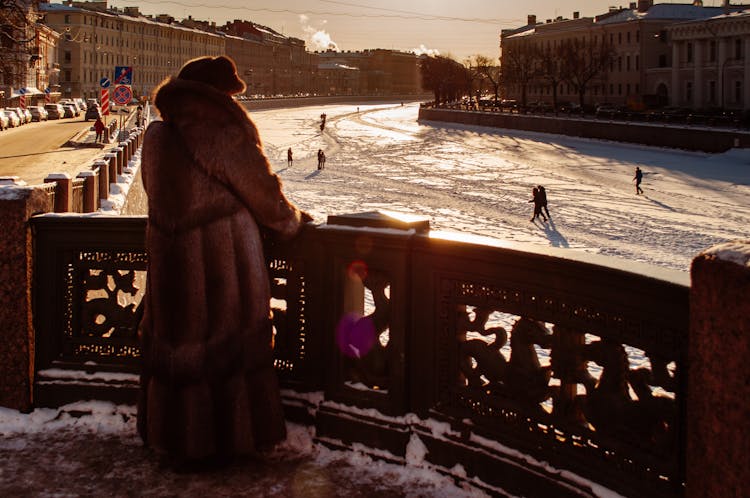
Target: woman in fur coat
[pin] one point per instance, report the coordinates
(208, 386)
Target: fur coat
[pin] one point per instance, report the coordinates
(208, 386)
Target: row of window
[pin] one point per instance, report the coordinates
(712, 51)
(713, 98)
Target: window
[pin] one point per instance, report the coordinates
(738, 48)
(637, 62)
(619, 89)
(712, 91)
(637, 89)
(627, 89)
(637, 36)
(619, 38)
(619, 63)
(712, 51)
(628, 37)
(66, 56)
(738, 91)
(627, 63)
(662, 60)
(67, 75)
(689, 49)
(67, 19)
(689, 91)
(611, 89)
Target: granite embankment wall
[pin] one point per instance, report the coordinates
(660, 135)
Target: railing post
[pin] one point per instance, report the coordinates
(121, 161)
(17, 331)
(103, 167)
(90, 190)
(718, 434)
(63, 191)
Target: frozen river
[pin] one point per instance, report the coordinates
(478, 180)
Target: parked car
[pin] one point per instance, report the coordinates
(14, 120)
(69, 111)
(4, 121)
(80, 103)
(607, 110)
(570, 107)
(508, 105)
(54, 111)
(38, 113)
(23, 115)
(93, 112)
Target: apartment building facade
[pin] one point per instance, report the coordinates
(94, 40)
(638, 71)
(710, 63)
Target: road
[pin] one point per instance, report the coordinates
(34, 150)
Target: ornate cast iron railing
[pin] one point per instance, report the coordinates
(565, 358)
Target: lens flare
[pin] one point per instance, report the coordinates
(355, 335)
(357, 269)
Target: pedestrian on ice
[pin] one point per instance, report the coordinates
(638, 178)
(99, 129)
(289, 158)
(321, 159)
(542, 192)
(537, 205)
(209, 391)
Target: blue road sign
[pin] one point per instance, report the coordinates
(21, 91)
(104, 82)
(47, 90)
(123, 75)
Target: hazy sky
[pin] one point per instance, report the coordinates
(459, 28)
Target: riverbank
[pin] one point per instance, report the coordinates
(693, 138)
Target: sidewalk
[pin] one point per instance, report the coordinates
(91, 449)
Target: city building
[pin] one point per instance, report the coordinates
(95, 39)
(710, 63)
(633, 46)
(28, 57)
(381, 72)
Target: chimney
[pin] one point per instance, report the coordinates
(644, 5)
(531, 20)
(576, 15)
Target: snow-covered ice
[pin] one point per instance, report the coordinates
(477, 180)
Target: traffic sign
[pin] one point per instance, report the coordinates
(21, 91)
(104, 82)
(122, 95)
(123, 75)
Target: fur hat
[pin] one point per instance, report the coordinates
(219, 72)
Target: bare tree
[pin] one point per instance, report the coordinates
(445, 77)
(552, 70)
(519, 66)
(486, 71)
(585, 60)
(17, 33)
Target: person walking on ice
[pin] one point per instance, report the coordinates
(543, 200)
(537, 205)
(321, 159)
(289, 158)
(638, 178)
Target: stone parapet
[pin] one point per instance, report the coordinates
(17, 205)
(718, 434)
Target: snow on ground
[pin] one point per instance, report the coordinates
(478, 180)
